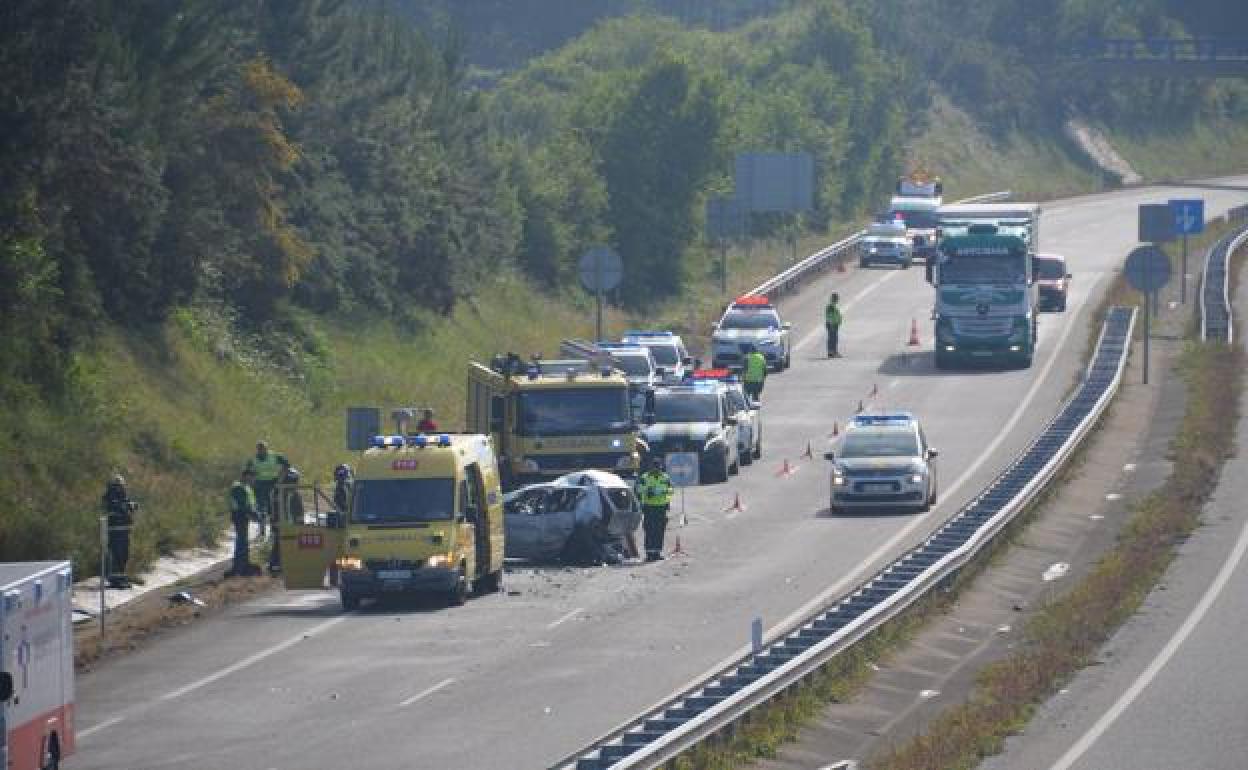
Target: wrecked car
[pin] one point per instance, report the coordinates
(586, 518)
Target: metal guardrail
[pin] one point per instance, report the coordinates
(1163, 49)
(821, 260)
(664, 732)
(1216, 320)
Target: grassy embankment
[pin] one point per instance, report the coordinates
(1063, 635)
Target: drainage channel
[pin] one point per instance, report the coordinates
(1215, 306)
(682, 721)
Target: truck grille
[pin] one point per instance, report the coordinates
(983, 327)
(670, 445)
(578, 462)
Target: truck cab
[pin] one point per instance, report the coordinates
(549, 419)
(425, 517)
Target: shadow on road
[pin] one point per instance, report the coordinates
(920, 364)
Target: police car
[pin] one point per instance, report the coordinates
(698, 418)
(751, 320)
(883, 461)
(670, 354)
(749, 413)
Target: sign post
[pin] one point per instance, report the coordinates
(682, 469)
(600, 270)
(1189, 219)
(1147, 269)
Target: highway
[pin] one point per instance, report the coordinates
(1170, 688)
(517, 680)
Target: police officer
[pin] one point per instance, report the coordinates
(242, 513)
(654, 491)
(832, 322)
(755, 372)
(120, 509)
(267, 467)
(342, 487)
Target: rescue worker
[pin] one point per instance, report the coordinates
(288, 509)
(342, 487)
(120, 509)
(654, 491)
(267, 467)
(426, 424)
(755, 372)
(242, 513)
(832, 322)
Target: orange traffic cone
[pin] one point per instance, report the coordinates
(786, 469)
(860, 405)
(836, 431)
(676, 549)
(914, 331)
(809, 453)
(736, 503)
(875, 391)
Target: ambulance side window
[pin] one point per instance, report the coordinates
(472, 490)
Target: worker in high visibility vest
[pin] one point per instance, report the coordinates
(654, 492)
(242, 513)
(755, 372)
(267, 467)
(832, 322)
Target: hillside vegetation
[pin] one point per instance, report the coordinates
(221, 221)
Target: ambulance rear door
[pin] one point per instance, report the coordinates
(311, 532)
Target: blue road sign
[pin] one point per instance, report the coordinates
(1148, 269)
(1189, 216)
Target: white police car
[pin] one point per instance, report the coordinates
(749, 412)
(695, 418)
(751, 320)
(670, 354)
(883, 461)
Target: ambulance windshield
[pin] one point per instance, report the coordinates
(396, 501)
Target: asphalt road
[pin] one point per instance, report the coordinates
(517, 680)
(1170, 688)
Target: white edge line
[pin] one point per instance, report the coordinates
(428, 691)
(81, 734)
(1146, 677)
(252, 659)
(566, 617)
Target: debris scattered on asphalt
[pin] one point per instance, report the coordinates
(1056, 571)
(929, 693)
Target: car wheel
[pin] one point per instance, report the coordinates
(459, 594)
(735, 468)
(747, 457)
(350, 601)
(788, 358)
(758, 448)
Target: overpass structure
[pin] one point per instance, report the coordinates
(1157, 57)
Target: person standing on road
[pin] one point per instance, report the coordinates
(755, 372)
(120, 509)
(654, 491)
(342, 488)
(267, 467)
(832, 322)
(242, 513)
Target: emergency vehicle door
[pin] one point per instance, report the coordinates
(310, 534)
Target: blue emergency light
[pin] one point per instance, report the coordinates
(896, 418)
(420, 440)
(444, 440)
(388, 441)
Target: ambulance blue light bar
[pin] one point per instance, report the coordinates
(444, 440)
(388, 441)
(895, 418)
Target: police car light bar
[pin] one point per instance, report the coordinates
(751, 300)
(897, 418)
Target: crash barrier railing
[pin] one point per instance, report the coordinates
(718, 702)
(821, 260)
(1216, 319)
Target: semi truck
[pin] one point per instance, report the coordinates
(36, 664)
(986, 306)
(546, 421)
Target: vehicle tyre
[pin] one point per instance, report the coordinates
(492, 583)
(1061, 306)
(788, 358)
(758, 448)
(735, 468)
(350, 601)
(747, 456)
(52, 758)
(941, 360)
(459, 594)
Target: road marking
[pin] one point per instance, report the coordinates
(1189, 624)
(253, 659)
(566, 617)
(818, 332)
(96, 728)
(428, 691)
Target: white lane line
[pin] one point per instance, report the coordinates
(428, 691)
(566, 618)
(253, 659)
(1098, 729)
(79, 735)
(818, 332)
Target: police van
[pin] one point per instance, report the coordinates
(883, 461)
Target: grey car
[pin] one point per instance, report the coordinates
(883, 461)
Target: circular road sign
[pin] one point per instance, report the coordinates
(600, 269)
(682, 468)
(1148, 268)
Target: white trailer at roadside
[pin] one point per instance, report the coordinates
(36, 664)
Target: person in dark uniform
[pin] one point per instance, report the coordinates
(342, 488)
(120, 509)
(242, 513)
(654, 492)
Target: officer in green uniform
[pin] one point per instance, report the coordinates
(268, 469)
(755, 372)
(654, 491)
(832, 322)
(242, 513)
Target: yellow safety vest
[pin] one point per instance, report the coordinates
(755, 367)
(654, 488)
(266, 468)
(249, 496)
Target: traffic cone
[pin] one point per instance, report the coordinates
(875, 390)
(836, 431)
(676, 549)
(809, 453)
(859, 406)
(736, 503)
(786, 469)
(914, 331)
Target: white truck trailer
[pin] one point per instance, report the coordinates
(36, 664)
